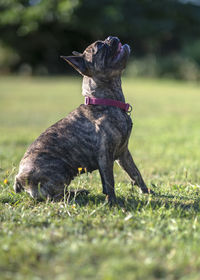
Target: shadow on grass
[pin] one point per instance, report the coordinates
(134, 202)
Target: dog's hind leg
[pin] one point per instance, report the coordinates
(127, 163)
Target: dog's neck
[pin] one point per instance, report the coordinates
(103, 89)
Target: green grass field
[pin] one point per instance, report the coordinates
(150, 237)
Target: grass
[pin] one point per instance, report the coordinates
(150, 237)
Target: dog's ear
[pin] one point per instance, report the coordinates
(78, 62)
(77, 53)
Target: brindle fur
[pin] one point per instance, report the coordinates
(91, 137)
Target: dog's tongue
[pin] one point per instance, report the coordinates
(119, 47)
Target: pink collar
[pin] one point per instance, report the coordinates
(109, 102)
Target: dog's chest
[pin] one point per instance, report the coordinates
(113, 127)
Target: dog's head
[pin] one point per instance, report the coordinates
(102, 59)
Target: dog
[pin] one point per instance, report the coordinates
(93, 136)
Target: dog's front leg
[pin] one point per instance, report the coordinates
(127, 163)
(107, 178)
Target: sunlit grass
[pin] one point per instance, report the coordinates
(148, 237)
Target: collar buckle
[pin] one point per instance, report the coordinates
(129, 108)
(87, 100)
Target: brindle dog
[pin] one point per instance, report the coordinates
(91, 137)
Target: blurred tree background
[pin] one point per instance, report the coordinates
(164, 35)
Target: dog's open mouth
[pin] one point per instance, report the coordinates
(119, 53)
(120, 50)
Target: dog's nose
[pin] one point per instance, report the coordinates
(111, 39)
